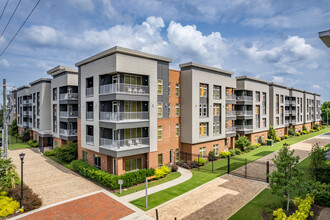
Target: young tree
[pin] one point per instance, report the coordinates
(287, 178)
(318, 162)
(242, 142)
(272, 133)
(13, 130)
(324, 108)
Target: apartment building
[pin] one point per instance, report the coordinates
(24, 109)
(126, 91)
(309, 112)
(40, 123)
(317, 109)
(208, 117)
(64, 105)
(12, 105)
(279, 114)
(294, 108)
(252, 108)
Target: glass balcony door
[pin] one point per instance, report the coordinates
(132, 110)
(131, 82)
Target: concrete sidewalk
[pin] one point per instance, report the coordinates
(185, 175)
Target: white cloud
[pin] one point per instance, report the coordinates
(4, 62)
(315, 86)
(84, 5)
(42, 35)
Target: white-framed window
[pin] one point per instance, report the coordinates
(177, 110)
(177, 130)
(97, 161)
(160, 110)
(160, 87)
(177, 154)
(256, 139)
(133, 165)
(216, 127)
(177, 89)
(216, 109)
(203, 90)
(203, 127)
(216, 149)
(257, 96)
(202, 152)
(160, 160)
(160, 133)
(204, 110)
(280, 133)
(217, 92)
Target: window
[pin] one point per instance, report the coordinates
(160, 160)
(169, 89)
(133, 165)
(160, 110)
(84, 156)
(256, 139)
(177, 154)
(160, 133)
(282, 99)
(216, 149)
(54, 95)
(203, 127)
(171, 156)
(203, 90)
(216, 109)
(89, 110)
(217, 92)
(204, 110)
(177, 90)
(280, 133)
(257, 96)
(177, 130)
(277, 120)
(97, 161)
(202, 152)
(264, 123)
(200, 110)
(216, 128)
(89, 86)
(177, 110)
(160, 87)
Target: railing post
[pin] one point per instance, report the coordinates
(245, 168)
(267, 171)
(156, 214)
(228, 166)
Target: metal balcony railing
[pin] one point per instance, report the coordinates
(89, 115)
(121, 116)
(68, 114)
(231, 97)
(124, 88)
(68, 96)
(25, 123)
(27, 101)
(293, 102)
(293, 112)
(243, 127)
(90, 91)
(90, 139)
(230, 113)
(244, 98)
(244, 113)
(230, 129)
(287, 102)
(68, 132)
(132, 142)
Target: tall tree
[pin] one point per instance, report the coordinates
(324, 108)
(287, 178)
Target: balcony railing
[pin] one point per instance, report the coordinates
(230, 113)
(26, 113)
(293, 112)
(25, 123)
(121, 116)
(68, 96)
(28, 101)
(90, 115)
(90, 139)
(244, 98)
(287, 112)
(287, 102)
(230, 129)
(293, 122)
(124, 88)
(132, 142)
(68, 132)
(90, 91)
(293, 102)
(30, 124)
(243, 127)
(68, 114)
(287, 122)
(231, 97)
(244, 113)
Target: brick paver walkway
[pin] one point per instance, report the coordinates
(97, 206)
(50, 180)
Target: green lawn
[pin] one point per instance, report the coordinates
(14, 145)
(134, 189)
(220, 167)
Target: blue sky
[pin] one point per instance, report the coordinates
(272, 40)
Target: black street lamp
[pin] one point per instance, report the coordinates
(21, 155)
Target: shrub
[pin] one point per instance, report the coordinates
(286, 136)
(162, 172)
(188, 164)
(253, 146)
(174, 168)
(304, 128)
(312, 130)
(26, 136)
(33, 143)
(291, 132)
(304, 132)
(260, 141)
(237, 151)
(7, 205)
(49, 153)
(67, 152)
(232, 152)
(30, 199)
(321, 193)
(109, 180)
(298, 134)
(242, 142)
(201, 161)
(272, 133)
(278, 139)
(224, 154)
(258, 144)
(212, 156)
(316, 126)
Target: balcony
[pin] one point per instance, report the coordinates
(293, 112)
(90, 91)
(124, 116)
(27, 102)
(244, 113)
(293, 122)
(230, 113)
(287, 122)
(69, 96)
(68, 114)
(90, 139)
(230, 130)
(25, 124)
(68, 132)
(287, 112)
(90, 115)
(244, 127)
(244, 98)
(293, 102)
(124, 88)
(231, 99)
(126, 143)
(287, 102)
(27, 113)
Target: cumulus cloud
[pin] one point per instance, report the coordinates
(4, 63)
(315, 86)
(42, 35)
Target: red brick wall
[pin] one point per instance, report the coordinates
(259, 134)
(298, 128)
(308, 126)
(59, 141)
(278, 132)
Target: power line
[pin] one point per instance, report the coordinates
(12, 15)
(4, 9)
(19, 29)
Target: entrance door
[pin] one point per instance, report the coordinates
(114, 166)
(115, 110)
(115, 83)
(70, 112)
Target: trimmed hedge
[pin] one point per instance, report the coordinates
(201, 161)
(224, 154)
(109, 180)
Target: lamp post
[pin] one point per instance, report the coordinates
(22, 158)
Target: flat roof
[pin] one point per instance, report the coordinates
(41, 80)
(309, 92)
(23, 87)
(251, 79)
(61, 69)
(295, 89)
(192, 64)
(123, 50)
(277, 85)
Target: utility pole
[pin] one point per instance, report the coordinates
(4, 121)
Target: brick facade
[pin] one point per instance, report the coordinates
(58, 142)
(308, 126)
(298, 128)
(280, 132)
(254, 138)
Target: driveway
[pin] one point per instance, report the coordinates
(51, 181)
